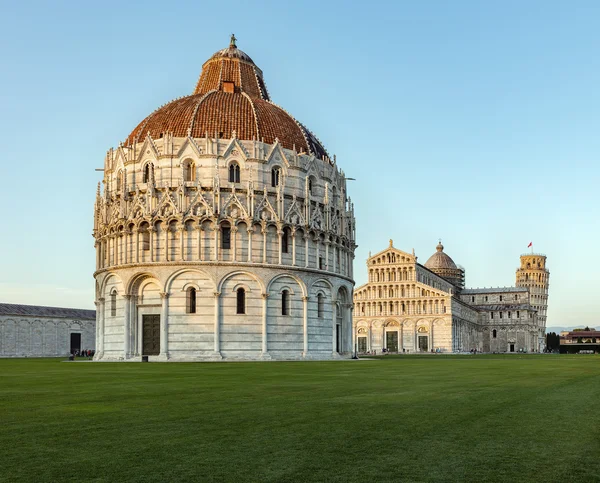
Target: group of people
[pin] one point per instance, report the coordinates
(82, 353)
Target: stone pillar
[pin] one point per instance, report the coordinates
(401, 347)
(431, 345)
(305, 327)
(279, 239)
(317, 255)
(199, 240)
(164, 326)
(327, 243)
(335, 249)
(233, 236)
(99, 329)
(128, 327)
(216, 253)
(294, 246)
(306, 257)
(250, 233)
(265, 349)
(334, 319)
(181, 229)
(264, 233)
(167, 231)
(152, 231)
(217, 328)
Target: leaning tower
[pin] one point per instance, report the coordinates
(534, 275)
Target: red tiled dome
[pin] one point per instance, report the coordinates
(230, 96)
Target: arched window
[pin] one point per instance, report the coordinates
(285, 303)
(494, 333)
(241, 301)
(189, 170)
(311, 185)
(321, 306)
(148, 171)
(285, 240)
(191, 301)
(145, 237)
(225, 237)
(113, 303)
(234, 173)
(275, 177)
(119, 181)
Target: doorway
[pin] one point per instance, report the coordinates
(362, 345)
(423, 347)
(338, 338)
(512, 347)
(75, 342)
(150, 335)
(391, 341)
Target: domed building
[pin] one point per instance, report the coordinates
(441, 264)
(223, 230)
(407, 307)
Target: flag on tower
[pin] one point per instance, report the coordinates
(530, 244)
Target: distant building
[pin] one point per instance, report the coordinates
(35, 331)
(409, 307)
(580, 341)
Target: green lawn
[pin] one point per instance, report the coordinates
(411, 418)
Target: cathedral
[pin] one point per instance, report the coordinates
(223, 230)
(407, 307)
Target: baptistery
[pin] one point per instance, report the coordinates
(223, 230)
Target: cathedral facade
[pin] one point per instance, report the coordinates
(407, 307)
(223, 231)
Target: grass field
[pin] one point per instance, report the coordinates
(406, 418)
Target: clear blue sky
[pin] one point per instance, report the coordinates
(477, 122)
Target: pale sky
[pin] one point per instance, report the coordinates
(472, 121)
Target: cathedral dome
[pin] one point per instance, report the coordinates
(440, 260)
(230, 100)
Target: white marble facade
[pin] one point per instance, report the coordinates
(237, 248)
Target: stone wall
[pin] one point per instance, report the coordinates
(26, 336)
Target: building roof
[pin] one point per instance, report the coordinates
(469, 291)
(582, 333)
(42, 311)
(504, 307)
(440, 259)
(230, 100)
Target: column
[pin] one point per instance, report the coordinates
(334, 320)
(306, 251)
(416, 341)
(431, 346)
(401, 347)
(164, 325)
(250, 233)
(327, 243)
(217, 329)
(152, 231)
(348, 310)
(305, 326)
(216, 252)
(233, 235)
(279, 239)
(318, 244)
(294, 246)
(264, 233)
(126, 330)
(181, 229)
(335, 249)
(99, 327)
(265, 351)
(167, 231)
(199, 240)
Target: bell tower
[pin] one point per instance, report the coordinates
(534, 275)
